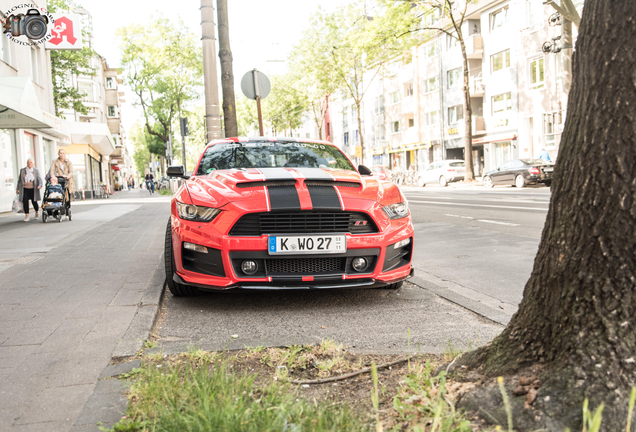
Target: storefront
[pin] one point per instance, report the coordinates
(26, 132)
(497, 149)
(414, 156)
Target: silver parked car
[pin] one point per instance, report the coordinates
(442, 172)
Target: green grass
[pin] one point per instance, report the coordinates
(212, 397)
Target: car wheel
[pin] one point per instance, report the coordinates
(177, 289)
(420, 182)
(548, 183)
(520, 181)
(488, 182)
(443, 182)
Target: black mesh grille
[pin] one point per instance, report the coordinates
(331, 183)
(305, 265)
(304, 222)
(266, 183)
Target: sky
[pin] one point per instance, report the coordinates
(262, 32)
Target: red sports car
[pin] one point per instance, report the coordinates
(281, 213)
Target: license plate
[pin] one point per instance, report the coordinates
(548, 169)
(280, 245)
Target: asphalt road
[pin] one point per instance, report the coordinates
(474, 252)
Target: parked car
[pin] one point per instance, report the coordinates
(442, 172)
(284, 213)
(380, 172)
(520, 172)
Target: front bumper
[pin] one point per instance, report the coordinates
(220, 268)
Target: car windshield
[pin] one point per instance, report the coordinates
(535, 162)
(268, 154)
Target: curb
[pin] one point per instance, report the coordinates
(463, 301)
(143, 322)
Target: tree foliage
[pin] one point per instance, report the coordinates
(163, 65)
(284, 107)
(66, 64)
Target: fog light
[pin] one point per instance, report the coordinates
(249, 267)
(359, 264)
(402, 243)
(195, 247)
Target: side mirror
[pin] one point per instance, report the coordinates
(363, 170)
(176, 171)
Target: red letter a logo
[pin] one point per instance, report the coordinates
(63, 27)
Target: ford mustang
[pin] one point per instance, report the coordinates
(284, 213)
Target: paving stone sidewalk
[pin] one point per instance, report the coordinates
(66, 312)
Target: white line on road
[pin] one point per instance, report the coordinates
(479, 205)
(458, 216)
(496, 222)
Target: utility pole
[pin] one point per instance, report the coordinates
(227, 75)
(212, 111)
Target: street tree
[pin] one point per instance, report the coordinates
(227, 75)
(163, 65)
(351, 47)
(447, 17)
(575, 325)
(246, 116)
(284, 107)
(69, 64)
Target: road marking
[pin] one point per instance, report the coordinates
(496, 222)
(458, 216)
(479, 205)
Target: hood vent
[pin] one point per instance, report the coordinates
(271, 183)
(332, 183)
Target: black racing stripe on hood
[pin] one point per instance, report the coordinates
(324, 197)
(283, 197)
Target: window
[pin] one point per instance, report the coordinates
(382, 132)
(550, 120)
(5, 50)
(430, 118)
(395, 127)
(431, 49)
(537, 77)
(345, 116)
(112, 111)
(110, 83)
(87, 88)
(534, 14)
(408, 89)
(455, 114)
(35, 66)
(452, 41)
(381, 104)
(431, 16)
(346, 139)
(501, 103)
(411, 123)
(500, 61)
(453, 77)
(499, 18)
(430, 84)
(394, 97)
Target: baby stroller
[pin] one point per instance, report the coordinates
(56, 201)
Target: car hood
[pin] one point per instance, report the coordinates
(267, 189)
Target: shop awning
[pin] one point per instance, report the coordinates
(495, 138)
(409, 147)
(97, 135)
(115, 167)
(20, 109)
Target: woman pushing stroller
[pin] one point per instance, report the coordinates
(62, 167)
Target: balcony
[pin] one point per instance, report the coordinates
(474, 47)
(479, 125)
(477, 86)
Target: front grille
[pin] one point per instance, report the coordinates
(304, 222)
(305, 265)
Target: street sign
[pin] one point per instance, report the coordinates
(249, 88)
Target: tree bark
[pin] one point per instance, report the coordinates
(576, 319)
(227, 76)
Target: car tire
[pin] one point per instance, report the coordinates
(442, 181)
(520, 182)
(420, 182)
(177, 289)
(548, 183)
(488, 182)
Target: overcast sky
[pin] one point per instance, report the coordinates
(262, 32)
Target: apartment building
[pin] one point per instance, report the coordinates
(28, 127)
(413, 113)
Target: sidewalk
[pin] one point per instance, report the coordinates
(69, 292)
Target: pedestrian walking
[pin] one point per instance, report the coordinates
(62, 167)
(29, 185)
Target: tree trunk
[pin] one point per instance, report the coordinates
(360, 134)
(468, 124)
(227, 76)
(576, 319)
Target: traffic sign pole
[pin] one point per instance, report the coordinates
(257, 92)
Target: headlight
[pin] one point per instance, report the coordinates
(397, 211)
(196, 213)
